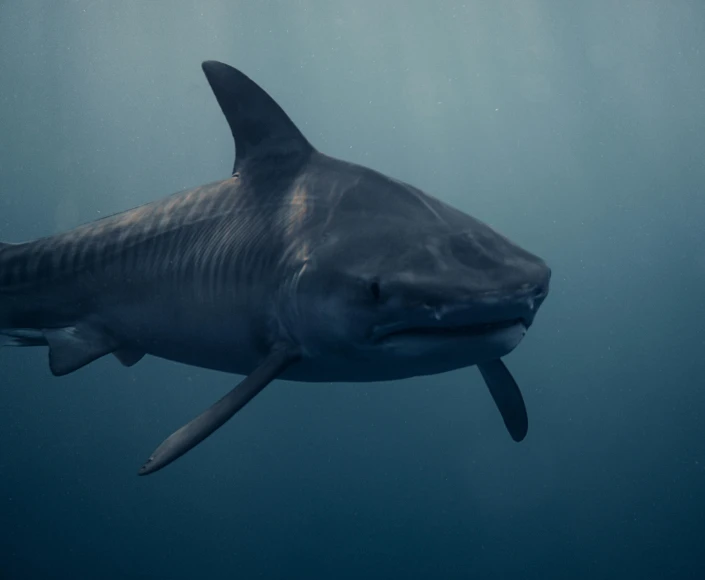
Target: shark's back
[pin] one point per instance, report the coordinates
(201, 235)
(143, 236)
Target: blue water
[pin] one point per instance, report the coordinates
(577, 129)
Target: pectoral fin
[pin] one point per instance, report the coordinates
(202, 426)
(507, 397)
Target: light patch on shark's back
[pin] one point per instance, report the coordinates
(295, 214)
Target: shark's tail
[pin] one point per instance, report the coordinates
(31, 317)
(21, 337)
(10, 336)
(5, 306)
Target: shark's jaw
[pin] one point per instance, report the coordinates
(445, 332)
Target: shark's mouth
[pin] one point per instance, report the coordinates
(453, 331)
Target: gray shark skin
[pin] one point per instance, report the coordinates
(299, 266)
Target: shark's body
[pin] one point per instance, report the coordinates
(299, 266)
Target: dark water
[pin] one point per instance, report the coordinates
(577, 129)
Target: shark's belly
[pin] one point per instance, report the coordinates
(220, 337)
(406, 358)
(342, 370)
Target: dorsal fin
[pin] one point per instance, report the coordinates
(260, 127)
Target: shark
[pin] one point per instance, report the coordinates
(299, 266)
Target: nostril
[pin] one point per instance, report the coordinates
(533, 291)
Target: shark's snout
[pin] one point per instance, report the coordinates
(466, 297)
(524, 302)
(531, 294)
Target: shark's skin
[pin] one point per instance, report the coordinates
(298, 266)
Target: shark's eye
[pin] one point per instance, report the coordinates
(375, 290)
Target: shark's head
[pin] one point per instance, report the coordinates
(416, 289)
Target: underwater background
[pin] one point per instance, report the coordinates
(576, 129)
